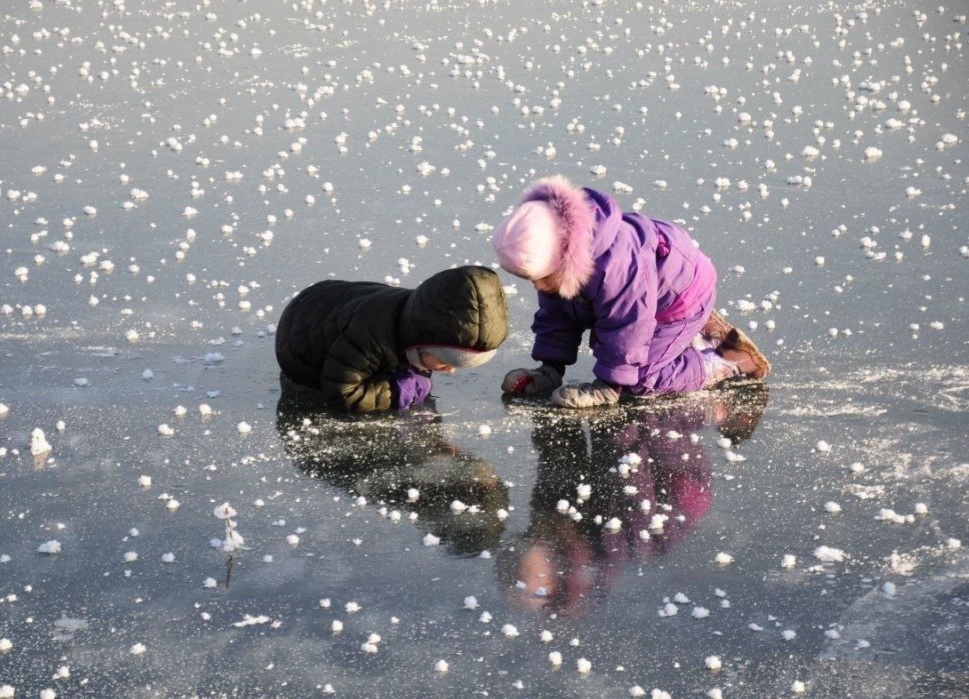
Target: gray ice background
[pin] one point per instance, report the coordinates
(171, 172)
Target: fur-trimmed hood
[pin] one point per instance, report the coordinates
(575, 218)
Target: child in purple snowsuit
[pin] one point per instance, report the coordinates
(640, 285)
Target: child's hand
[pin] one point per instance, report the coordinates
(528, 381)
(587, 395)
(410, 388)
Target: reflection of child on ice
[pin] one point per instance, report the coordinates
(645, 487)
(569, 555)
(370, 346)
(640, 285)
(404, 466)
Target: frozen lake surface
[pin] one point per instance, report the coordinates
(172, 172)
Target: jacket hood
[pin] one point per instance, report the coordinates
(577, 219)
(462, 307)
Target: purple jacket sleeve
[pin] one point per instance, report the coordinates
(557, 335)
(625, 312)
(409, 387)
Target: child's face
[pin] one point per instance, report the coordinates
(435, 364)
(549, 284)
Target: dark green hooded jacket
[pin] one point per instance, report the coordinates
(348, 338)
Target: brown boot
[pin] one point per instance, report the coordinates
(741, 350)
(716, 328)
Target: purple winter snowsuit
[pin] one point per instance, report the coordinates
(645, 294)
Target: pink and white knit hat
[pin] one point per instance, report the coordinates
(529, 242)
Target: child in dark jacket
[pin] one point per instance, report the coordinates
(369, 346)
(640, 285)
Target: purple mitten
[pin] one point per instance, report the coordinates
(410, 387)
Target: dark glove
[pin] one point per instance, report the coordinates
(409, 387)
(545, 378)
(587, 395)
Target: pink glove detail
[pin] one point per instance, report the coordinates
(528, 381)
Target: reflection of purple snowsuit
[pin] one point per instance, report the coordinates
(587, 556)
(676, 486)
(648, 295)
